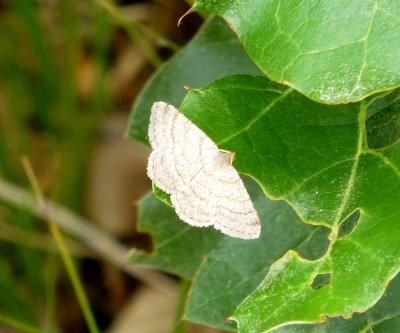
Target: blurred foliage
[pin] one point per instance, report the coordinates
(53, 95)
(63, 68)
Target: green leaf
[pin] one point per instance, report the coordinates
(317, 158)
(179, 248)
(382, 318)
(160, 194)
(236, 267)
(203, 60)
(331, 51)
(229, 268)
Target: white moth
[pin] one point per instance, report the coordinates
(205, 189)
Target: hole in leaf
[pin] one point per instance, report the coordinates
(349, 224)
(143, 241)
(321, 280)
(316, 244)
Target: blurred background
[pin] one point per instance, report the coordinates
(69, 74)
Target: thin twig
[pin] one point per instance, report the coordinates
(86, 232)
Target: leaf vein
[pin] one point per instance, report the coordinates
(387, 161)
(358, 85)
(352, 177)
(256, 118)
(298, 186)
(377, 322)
